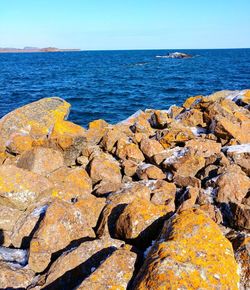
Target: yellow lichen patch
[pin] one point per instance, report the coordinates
(98, 124)
(190, 101)
(62, 127)
(20, 143)
(191, 253)
(246, 97)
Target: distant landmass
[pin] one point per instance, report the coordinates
(36, 49)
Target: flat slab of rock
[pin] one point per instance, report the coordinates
(190, 253)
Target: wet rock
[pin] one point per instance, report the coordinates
(73, 266)
(36, 119)
(140, 220)
(12, 277)
(149, 171)
(187, 255)
(62, 224)
(232, 185)
(105, 174)
(19, 187)
(120, 265)
(41, 160)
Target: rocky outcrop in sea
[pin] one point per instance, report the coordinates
(158, 201)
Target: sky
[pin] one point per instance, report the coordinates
(125, 24)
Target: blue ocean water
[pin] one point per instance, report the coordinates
(112, 85)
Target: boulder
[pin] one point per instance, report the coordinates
(140, 220)
(105, 174)
(241, 215)
(163, 193)
(203, 147)
(232, 185)
(187, 255)
(120, 265)
(70, 183)
(19, 187)
(12, 277)
(36, 119)
(150, 147)
(73, 266)
(149, 171)
(129, 151)
(41, 160)
(62, 224)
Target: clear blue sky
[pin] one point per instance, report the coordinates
(125, 24)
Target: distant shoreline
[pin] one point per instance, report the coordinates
(35, 49)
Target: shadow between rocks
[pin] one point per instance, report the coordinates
(76, 276)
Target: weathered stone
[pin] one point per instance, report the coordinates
(240, 154)
(241, 215)
(129, 167)
(183, 162)
(19, 187)
(19, 144)
(163, 193)
(150, 147)
(149, 171)
(232, 185)
(115, 204)
(188, 199)
(184, 181)
(203, 147)
(176, 134)
(96, 131)
(213, 212)
(62, 224)
(70, 183)
(73, 266)
(12, 277)
(120, 265)
(26, 224)
(187, 255)
(35, 119)
(105, 174)
(41, 160)
(110, 138)
(130, 151)
(192, 101)
(160, 119)
(242, 256)
(192, 118)
(140, 220)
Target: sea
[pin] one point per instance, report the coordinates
(112, 85)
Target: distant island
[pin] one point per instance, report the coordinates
(36, 49)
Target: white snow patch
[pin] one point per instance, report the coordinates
(243, 148)
(198, 130)
(177, 153)
(40, 210)
(148, 249)
(14, 255)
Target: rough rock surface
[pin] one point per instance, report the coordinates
(83, 208)
(187, 256)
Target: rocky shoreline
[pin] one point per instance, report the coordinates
(158, 201)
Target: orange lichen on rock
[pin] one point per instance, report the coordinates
(191, 253)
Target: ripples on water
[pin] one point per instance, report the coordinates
(114, 84)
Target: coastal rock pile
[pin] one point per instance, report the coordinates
(158, 201)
